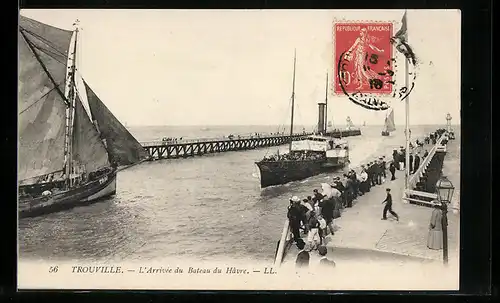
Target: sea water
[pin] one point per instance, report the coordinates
(207, 207)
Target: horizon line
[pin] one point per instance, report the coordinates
(273, 125)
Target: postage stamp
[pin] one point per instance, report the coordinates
(366, 65)
(365, 53)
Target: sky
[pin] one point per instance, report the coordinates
(234, 67)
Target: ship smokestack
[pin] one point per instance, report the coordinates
(321, 118)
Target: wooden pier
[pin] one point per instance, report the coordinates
(196, 147)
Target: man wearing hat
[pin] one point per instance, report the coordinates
(372, 173)
(417, 162)
(395, 159)
(388, 206)
(379, 170)
(411, 164)
(384, 167)
(392, 169)
(295, 216)
(402, 159)
(317, 196)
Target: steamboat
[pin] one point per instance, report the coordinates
(308, 157)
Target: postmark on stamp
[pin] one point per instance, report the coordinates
(366, 65)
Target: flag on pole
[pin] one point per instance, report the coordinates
(400, 39)
(402, 33)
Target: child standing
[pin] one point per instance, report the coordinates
(322, 229)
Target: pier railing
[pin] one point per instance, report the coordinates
(173, 149)
(420, 172)
(217, 139)
(283, 243)
(425, 163)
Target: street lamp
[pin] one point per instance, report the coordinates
(444, 189)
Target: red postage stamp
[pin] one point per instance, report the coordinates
(363, 58)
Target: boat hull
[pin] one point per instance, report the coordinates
(281, 172)
(385, 134)
(86, 194)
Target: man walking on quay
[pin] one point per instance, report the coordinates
(388, 206)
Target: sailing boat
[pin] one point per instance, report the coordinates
(69, 147)
(389, 123)
(350, 125)
(313, 155)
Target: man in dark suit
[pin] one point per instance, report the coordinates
(324, 262)
(371, 174)
(392, 169)
(411, 164)
(349, 191)
(384, 167)
(327, 207)
(395, 158)
(388, 206)
(417, 163)
(317, 196)
(295, 217)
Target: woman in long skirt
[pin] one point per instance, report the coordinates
(435, 238)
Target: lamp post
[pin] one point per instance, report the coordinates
(444, 189)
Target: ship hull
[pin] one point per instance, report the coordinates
(86, 194)
(385, 134)
(281, 172)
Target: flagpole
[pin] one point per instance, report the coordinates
(407, 115)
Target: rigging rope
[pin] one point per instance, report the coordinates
(282, 125)
(48, 42)
(43, 96)
(51, 51)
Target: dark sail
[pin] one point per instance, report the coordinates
(88, 149)
(121, 145)
(42, 60)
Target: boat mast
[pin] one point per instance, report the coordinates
(293, 99)
(385, 121)
(326, 104)
(71, 97)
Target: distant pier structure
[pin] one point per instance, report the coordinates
(196, 147)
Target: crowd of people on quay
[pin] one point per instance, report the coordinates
(314, 215)
(295, 156)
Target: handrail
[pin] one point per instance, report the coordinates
(281, 247)
(421, 170)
